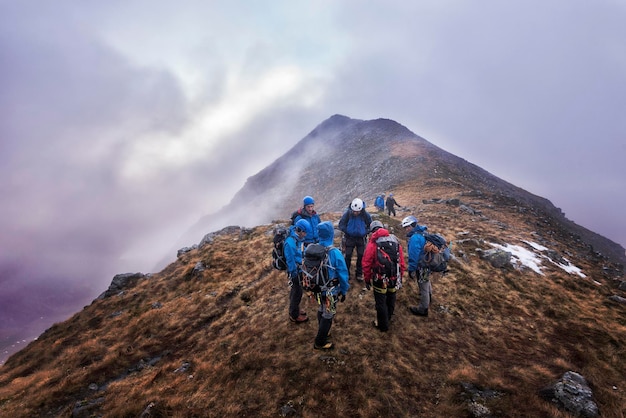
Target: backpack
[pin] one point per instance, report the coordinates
(435, 254)
(278, 252)
(294, 215)
(315, 268)
(387, 255)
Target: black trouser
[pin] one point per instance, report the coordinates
(385, 305)
(324, 324)
(390, 210)
(351, 243)
(295, 296)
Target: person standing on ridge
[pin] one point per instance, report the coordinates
(355, 223)
(385, 283)
(336, 290)
(293, 257)
(380, 202)
(415, 244)
(391, 202)
(307, 212)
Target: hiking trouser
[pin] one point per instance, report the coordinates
(351, 244)
(390, 210)
(425, 292)
(295, 296)
(324, 321)
(385, 300)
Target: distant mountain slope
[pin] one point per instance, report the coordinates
(343, 158)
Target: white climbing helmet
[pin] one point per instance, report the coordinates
(409, 221)
(356, 205)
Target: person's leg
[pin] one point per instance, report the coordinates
(325, 321)
(349, 249)
(295, 296)
(382, 317)
(360, 249)
(391, 303)
(424, 296)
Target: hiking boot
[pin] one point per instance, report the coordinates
(375, 325)
(418, 312)
(327, 346)
(359, 278)
(299, 319)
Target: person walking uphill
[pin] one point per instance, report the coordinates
(355, 223)
(391, 202)
(383, 272)
(307, 212)
(293, 257)
(415, 244)
(336, 289)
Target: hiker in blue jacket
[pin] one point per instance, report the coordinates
(293, 257)
(380, 202)
(327, 298)
(355, 224)
(307, 212)
(415, 244)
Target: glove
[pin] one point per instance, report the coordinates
(412, 275)
(368, 285)
(342, 298)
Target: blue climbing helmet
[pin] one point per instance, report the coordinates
(303, 225)
(308, 200)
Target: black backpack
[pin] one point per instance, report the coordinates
(278, 252)
(435, 254)
(294, 215)
(315, 268)
(387, 256)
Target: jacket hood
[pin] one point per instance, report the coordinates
(326, 233)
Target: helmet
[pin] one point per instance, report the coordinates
(356, 205)
(308, 200)
(303, 225)
(375, 225)
(409, 221)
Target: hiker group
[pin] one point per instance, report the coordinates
(305, 251)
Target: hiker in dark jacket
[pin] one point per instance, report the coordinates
(355, 224)
(307, 212)
(391, 202)
(385, 288)
(327, 298)
(415, 244)
(293, 257)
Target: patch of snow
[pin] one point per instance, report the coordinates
(533, 261)
(570, 268)
(522, 256)
(536, 246)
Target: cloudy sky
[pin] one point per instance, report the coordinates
(123, 122)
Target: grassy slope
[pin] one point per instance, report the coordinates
(508, 330)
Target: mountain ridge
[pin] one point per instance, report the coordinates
(314, 161)
(209, 335)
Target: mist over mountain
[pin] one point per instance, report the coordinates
(344, 158)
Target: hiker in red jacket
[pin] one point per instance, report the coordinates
(386, 280)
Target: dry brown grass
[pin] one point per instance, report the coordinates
(508, 330)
